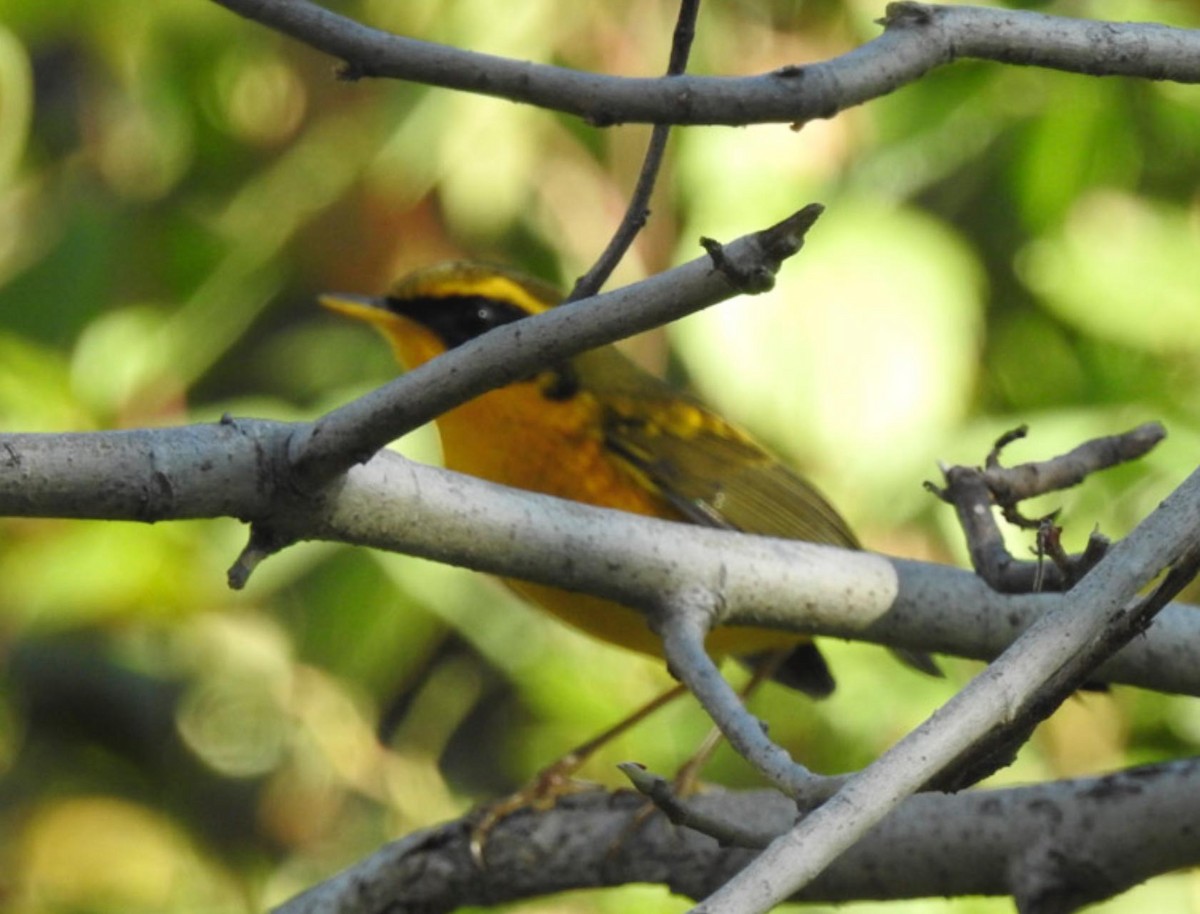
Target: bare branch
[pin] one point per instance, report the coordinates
(973, 492)
(1020, 686)
(390, 503)
(513, 351)
(299, 481)
(1011, 485)
(194, 471)
(1031, 841)
(683, 618)
(917, 38)
(638, 210)
(688, 814)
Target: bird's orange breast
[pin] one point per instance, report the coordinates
(518, 437)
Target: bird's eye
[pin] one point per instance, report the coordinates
(487, 317)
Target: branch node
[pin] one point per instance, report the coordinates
(785, 238)
(264, 542)
(776, 244)
(789, 71)
(601, 119)
(906, 14)
(349, 71)
(750, 281)
(938, 492)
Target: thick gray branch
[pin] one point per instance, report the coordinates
(1119, 830)
(391, 503)
(224, 470)
(916, 39)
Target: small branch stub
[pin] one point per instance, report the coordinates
(906, 14)
(776, 244)
(263, 544)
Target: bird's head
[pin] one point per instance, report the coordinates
(443, 306)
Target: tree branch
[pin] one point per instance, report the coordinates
(1060, 648)
(638, 210)
(916, 39)
(973, 492)
(291, 482)
(514, 351)
(238, 469)
(683, 618)
(1120, 829)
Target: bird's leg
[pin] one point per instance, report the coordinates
(554, 780)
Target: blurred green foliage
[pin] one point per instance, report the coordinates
(1002, 246)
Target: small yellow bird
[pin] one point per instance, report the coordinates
(598, 429)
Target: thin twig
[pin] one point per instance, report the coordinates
(683, 620)
(726, 832)
(351, 434)
(973, 492)
(638, 210)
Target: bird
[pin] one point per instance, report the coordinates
(597, 428)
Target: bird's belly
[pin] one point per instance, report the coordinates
(628, 628)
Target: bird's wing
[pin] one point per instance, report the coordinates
(717, 476)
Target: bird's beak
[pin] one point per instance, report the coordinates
(412, 342)
(373, 310)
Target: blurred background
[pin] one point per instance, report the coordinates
(1002, 246)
